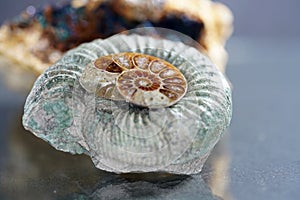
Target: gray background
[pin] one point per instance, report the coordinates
(262, 143)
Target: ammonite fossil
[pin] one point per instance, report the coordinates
(39, 37)
(84, 104)
(138, 78)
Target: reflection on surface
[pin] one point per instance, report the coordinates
(215, 170)
(35, 170)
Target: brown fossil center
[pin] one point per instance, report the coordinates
(141, 79)
(147, 82)
(143, 83)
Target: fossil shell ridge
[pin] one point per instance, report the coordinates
(118, 136)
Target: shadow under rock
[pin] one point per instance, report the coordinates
(150, 186)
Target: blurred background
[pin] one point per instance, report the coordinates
(259, 158)
(252, 18)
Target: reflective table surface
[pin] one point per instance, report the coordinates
(259, 157)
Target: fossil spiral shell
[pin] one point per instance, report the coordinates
(138, 78)
(117, 135)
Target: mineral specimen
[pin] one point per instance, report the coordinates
(38, 37)
(121, 136)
